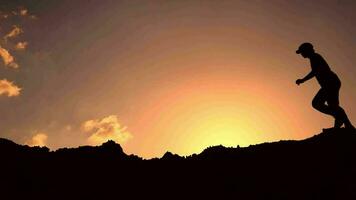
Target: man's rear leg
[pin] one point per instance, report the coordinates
(322, 107)
(341, 118)
(338, 123)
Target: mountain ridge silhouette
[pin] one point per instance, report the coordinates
(319, 167)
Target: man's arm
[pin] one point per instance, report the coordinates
(306, 78)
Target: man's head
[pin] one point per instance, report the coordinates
(306, 50)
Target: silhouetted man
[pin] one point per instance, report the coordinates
(327, 99)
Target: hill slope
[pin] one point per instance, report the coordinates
(320, 167)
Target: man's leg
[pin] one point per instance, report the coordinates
(339, 115)
(347, 122)
(319, 102)
(339, 112)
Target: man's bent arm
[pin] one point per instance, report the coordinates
(309, 76)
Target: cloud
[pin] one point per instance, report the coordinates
(21, 45)
(40, 139)
(7, 58)
(107, 128)
(23, 12)
(19, 12)
(8, 88)
(4, 16)
(33, 17)
(13, 33)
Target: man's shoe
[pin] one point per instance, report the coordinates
(338, 123)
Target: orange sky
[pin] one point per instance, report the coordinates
(176, 76)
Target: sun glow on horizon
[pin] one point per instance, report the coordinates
(208, 111)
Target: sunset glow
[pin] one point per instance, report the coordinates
(178, 76)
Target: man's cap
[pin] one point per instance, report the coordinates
(304, 47)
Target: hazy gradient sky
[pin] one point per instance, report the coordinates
(175, 76)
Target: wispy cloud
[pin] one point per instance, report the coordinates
(39, 139)
(7, 58)
(23, 12)
(8, 88)
(21, 45)
(107, 128)
(15, 31)
(4, 16)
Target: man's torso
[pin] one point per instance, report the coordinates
(322, 71)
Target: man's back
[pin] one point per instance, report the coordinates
(322, 71)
